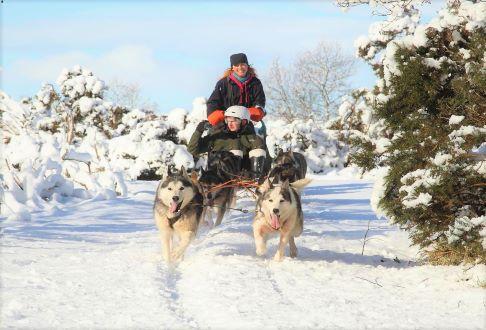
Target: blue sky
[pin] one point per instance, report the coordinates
(175, 51)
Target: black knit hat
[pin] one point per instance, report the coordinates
(236, 59)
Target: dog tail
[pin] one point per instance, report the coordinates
(300, 184)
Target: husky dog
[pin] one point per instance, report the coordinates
(279, 209)
(288, 165)
(178, 208)
(222, 167)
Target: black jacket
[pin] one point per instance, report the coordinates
(229, 92)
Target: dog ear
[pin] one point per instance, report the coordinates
(164, 172)
(183, 172)
(194, 176)
(299, 185)
(291, 153)
(264, 187)
(285, 185)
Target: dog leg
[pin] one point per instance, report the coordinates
(166, 238)
(293, 247)
(260, 242)
(185, 239)
(220, 214)
(284, 239)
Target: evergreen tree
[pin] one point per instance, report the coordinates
(431, 101)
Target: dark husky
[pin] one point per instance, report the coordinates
(178, 209)
(289, 165)
(222, 167)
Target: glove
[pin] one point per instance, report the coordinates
(216, 117)
(256, 114)
(202, 126)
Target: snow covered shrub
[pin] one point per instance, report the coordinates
(82, 103)
(319, 145)
(358, 128)
(191, 120)
(39, 167)
(430, 100)
(144, 152)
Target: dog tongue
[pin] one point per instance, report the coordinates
(274, 221)
(173, 207)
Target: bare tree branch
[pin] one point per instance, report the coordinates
(310, 88)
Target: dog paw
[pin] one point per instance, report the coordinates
(174, 256)
(278, 257)
(293, 253)
(260, 251)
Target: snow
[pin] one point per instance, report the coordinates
(318, 144)
(464, 224)
(441, 159)
(378, 191)
(414, 181)
(97, 264)
(176, 118)
(453, 120)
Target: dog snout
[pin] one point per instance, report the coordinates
(276, 211)
(175, 198)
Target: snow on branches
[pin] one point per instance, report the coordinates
(428, 114)
(60, 147)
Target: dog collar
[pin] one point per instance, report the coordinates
(174, 218)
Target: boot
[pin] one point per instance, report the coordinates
(257, 162)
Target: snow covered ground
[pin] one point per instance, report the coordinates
(97, 264)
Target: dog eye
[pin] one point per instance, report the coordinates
(270, 200)
(282, 200)
(169, 188)
(181, 188)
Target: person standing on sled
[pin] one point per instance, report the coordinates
(234, 134)
(238, 86)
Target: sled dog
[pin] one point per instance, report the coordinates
(178, 208)
(222, 167)
(288, 165)
(279, 209)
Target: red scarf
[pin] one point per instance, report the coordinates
(243, 88)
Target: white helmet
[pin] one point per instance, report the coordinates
(237, 111)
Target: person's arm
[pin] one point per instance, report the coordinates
(215, 104)
(259, 96)
(257, 111)
(197, 144)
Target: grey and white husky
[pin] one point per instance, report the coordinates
(178, 209)
(279, 210)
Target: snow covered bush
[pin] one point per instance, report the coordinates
(39, 168)
(74, 144)
(320, 146)
(358, 127)
(430, 105)
(144, 153)
(82, 103)
(191, 120)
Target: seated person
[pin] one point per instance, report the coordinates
(235, 135)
